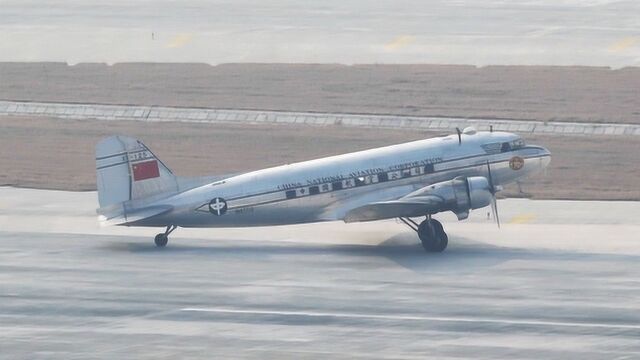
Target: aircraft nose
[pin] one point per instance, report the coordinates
(545, 157)
(539, 159)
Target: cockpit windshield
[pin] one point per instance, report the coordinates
(517, 143)
(498, 147)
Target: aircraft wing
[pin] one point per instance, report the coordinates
(409, 206)
(459, 195)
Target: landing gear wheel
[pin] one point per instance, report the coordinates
(432, 236)
(161, 240)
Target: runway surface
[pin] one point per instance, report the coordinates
(568, 32)
(559, 280)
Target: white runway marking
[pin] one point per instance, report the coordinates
(417, 318)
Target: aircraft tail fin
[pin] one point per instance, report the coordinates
(128, 170)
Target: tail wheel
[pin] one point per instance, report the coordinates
(161, 240)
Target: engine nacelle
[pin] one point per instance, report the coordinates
(462, 194)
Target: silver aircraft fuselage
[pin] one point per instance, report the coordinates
(326, 189)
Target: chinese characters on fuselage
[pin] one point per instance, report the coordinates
(359, 178)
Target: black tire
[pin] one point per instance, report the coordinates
(442, 235)
(442, 244)
(161, 240)
(433, 237)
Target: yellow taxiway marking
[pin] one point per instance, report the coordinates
(399, 42)
(624, 44)
(179, 40)
(522, 219)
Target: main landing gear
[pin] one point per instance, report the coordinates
(162, 239)
(430, 232)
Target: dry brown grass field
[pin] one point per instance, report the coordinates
(59, 154)
(546, 93)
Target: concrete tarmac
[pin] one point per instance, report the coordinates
(558, 280)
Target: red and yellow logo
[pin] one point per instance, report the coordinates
(516, 163)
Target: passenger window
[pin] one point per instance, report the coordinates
(506, 147)
(428, 169)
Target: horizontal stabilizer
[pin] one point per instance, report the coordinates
(117, 215)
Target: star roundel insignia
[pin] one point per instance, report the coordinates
(516, 163)
(218, 206)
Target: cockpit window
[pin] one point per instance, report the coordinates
(495, 148)
(492, 148)
(517, 144)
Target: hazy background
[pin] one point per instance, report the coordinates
(558, 32)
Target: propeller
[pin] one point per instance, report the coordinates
(493, 189)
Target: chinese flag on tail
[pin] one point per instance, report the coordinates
(145, 170)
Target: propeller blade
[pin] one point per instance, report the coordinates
(490, 178)
(494, 209)
(494, 201)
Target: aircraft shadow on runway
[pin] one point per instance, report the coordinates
(462, 255)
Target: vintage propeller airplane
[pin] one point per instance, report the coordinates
(418, 179)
